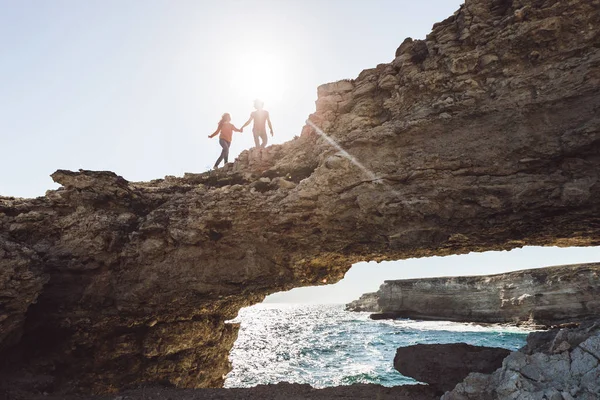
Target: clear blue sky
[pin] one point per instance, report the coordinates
(135, 86)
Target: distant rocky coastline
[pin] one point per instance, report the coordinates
(537, 297)
(367, 302)
(560, 363)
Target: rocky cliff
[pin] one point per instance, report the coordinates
(483, 136)
(366, 302)
(544, 296)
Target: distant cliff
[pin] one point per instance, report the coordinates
(366, 302)
(545, 296)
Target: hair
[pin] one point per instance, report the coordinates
(224, 117)
(259, 103)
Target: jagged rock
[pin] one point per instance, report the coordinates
(542, 296)
(443, 151)
(366, 302)
(444, 365)
(567, 369)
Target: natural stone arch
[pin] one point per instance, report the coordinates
(485, 136)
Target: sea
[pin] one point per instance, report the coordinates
(324, 345)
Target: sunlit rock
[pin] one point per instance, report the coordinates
(535, 297)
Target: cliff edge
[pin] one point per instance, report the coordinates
(540, 297)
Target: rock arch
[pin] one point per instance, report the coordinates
(483, 136)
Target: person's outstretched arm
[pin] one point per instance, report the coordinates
(247, 122)
(215, 133)
(269, 122)
(236, 129)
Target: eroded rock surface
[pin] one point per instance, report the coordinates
(442, 366)
(557, 365)
(483, 136)
(543, 296)
(366, 302)
(21, 281)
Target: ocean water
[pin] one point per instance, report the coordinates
(323, 345)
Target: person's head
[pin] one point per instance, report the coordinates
(225, 118)
(259, 104)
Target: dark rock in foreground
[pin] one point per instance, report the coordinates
(442, 366)
(281, 391)
(555, 365)
(544, 296)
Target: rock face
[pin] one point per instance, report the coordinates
(21, 281)
(544, 296)
(442, 366)
(366, 302)
(483, 136)
(561, 364)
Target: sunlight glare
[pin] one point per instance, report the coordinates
(259, 76)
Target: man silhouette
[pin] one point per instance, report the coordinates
(260, 118)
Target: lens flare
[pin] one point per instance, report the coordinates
(260, 75)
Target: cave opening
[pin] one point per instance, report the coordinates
(307, 335)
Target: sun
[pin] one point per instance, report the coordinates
(259, 76)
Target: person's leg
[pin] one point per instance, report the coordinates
(225, 145)
(265, 139)
(224, 152)
(256, 142)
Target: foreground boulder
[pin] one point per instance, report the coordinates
(442, 366)
(555, 365)
(483, 136)
(543, 296)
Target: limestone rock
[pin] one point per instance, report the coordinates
(366, 302)
(542, 372)
(543, 296)
(444, 365)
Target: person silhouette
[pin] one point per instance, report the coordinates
(226, 128)
(260, 118)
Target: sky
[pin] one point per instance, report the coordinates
(136, 86)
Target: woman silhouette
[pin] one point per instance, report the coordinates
(226, 128)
